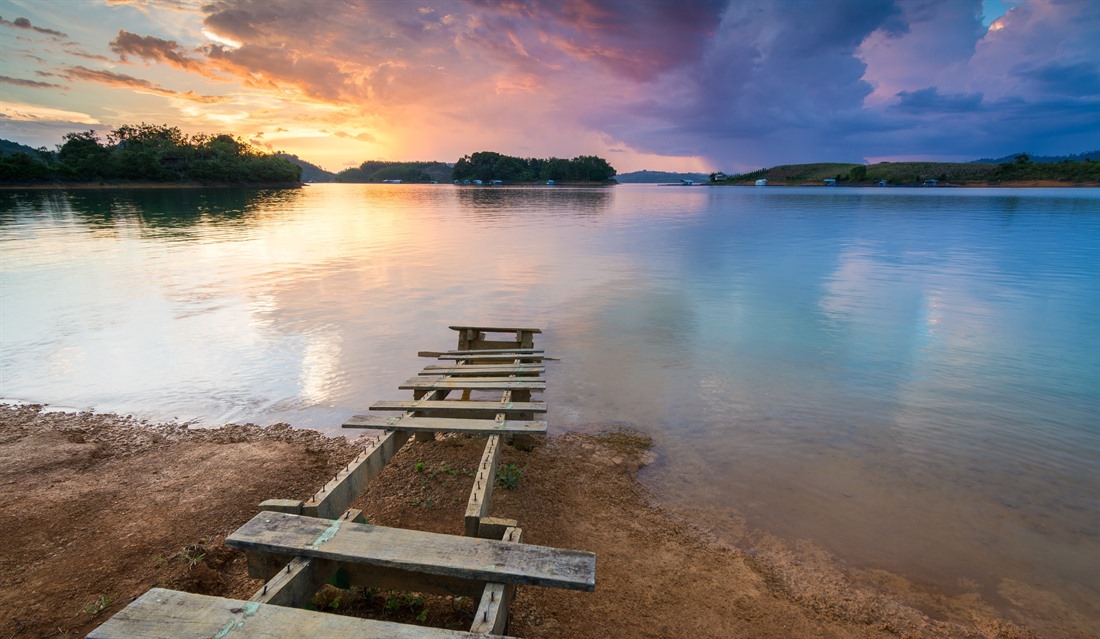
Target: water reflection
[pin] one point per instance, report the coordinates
(815, 354)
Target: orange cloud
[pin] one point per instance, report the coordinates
(111, 78)
(153, 49)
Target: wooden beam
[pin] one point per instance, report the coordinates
(485, 370)
(505, 356)
(495, 527)
(292, 506)
(169, 614)
(492, 612)
(483, 351)
(459, 407)
(447, 425)
(490, 329)
(295, 586)
(336, 495)
(430, 553)
(473, 383)
(477, 506)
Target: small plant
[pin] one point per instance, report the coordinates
(99, 605)
(192, 555)
(508, 476)
(423, 616)
(420, 466)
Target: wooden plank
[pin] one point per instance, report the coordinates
(413, 550)
(488, 370)
(169, 614)
(484, 351)
(477, 506)
(473, 383)
(503, 357)
(490, 329)
(495, 527)
(447, 425)
(295, 586)
(458, 407)
(336, 495)
(492, 611)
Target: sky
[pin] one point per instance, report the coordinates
(685, 85)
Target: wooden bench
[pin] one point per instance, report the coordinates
(355, 546)
(169, 614)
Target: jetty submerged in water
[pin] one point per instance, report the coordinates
(298, 546)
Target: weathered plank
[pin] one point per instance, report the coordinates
(485, 370)
(483, 351)
(492, 611)
(169, 614)
(336, 495)
(490, 329)
(430, 553)
(504, 356)
(455, 408)
(473, 383)
(477, 506)
(295, 586)
(447, 425)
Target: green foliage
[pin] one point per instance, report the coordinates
(379, 171)
(914, 173)
(152, 153)
(488, 165)
(858, 173)
(97, 606)
(508, 476)
(420, 466)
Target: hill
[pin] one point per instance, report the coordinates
(1043, 159)
(652, 177)
(379, 171)
(7, 147)
(1021, 171)
(310, 172)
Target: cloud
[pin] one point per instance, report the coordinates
(23, 112)
(33, 84)
(153, 49)
(929, 100)
(23, 23)
(111, 78)
(362, 137)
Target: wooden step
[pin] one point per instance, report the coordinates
(448, 425)
(487, 370)
(474, 383)
(169, 614)
(345, 542)
(491, 329)
(426, 408)
(480, 356)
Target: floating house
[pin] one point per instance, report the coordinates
(550, 183)
(761, 183)
(880, 183)
(830, 181)
(931, 182)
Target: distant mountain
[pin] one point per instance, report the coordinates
(649, 177)
(7, 147)
(1043, 159)
(310, 172)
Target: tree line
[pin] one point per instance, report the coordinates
(487, 165)
(150, 153)
(380, 171)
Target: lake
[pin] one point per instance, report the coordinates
(908, 378)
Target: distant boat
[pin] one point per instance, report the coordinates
(550, 183)
(498, 182)
(391, 181)
(830, 181)
(761, 183)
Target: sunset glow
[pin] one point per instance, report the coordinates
(708, 85)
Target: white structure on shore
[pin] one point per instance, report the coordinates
(762, 182)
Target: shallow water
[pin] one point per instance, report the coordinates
(908, 377)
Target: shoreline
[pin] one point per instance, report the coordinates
(111, 506)
(84, 186)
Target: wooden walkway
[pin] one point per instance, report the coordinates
(299, 545)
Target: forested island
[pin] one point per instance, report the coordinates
(148, 153)
(489, 166)
(1020, 171)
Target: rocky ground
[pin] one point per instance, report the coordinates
(97, 509)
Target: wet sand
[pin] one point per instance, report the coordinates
(100, 508)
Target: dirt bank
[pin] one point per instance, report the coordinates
(97, 509)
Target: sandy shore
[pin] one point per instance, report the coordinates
(100, 508)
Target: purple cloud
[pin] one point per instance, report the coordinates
(23, 23)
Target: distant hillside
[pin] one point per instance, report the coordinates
(7, 147)
(310, 172)
(1019, 171)
(379, 171)
(650, 177)
(1043, 159)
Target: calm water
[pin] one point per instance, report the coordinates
(910, 378)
